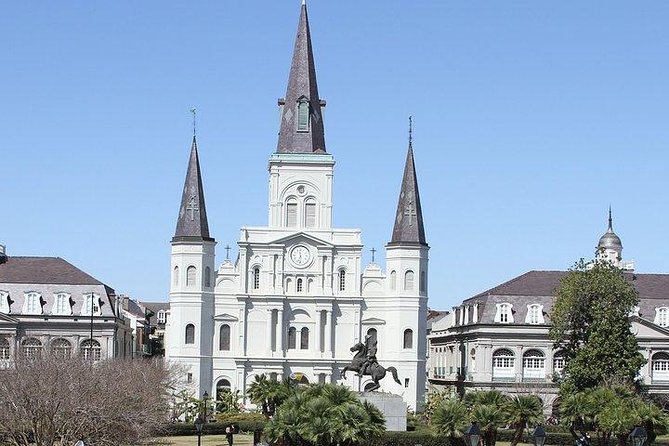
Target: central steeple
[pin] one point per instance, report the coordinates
(301, 129)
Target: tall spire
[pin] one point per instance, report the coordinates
(610, 220)
(409, 218)
(192, 221)
(301, 128)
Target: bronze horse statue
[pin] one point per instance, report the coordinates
(371, 368)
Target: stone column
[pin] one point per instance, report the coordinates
(328, 333)
(279, 331)
(319, 321)
(269, 330)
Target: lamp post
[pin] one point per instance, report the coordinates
(198, 429)
(472, 435)
(639, 436)
(539, 436)
(205, 403)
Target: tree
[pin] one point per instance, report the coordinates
(450, 419)
(54, 401)
(487, 409)
(521, 411)
(324, 415)
(591, 326)
(269, 394)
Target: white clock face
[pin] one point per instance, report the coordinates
(300, 255)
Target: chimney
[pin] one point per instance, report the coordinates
(3, 254)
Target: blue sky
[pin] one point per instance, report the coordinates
(530, 119)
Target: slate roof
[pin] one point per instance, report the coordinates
(156, 306)
(408, 227)
(537, 287)
(43, 270)
(302, 84)
(192, 222)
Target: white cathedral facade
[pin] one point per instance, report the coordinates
(297, 297)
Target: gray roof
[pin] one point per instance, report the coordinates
(409, 217)
(302, 84)
(43, 270)
(192, 221)
(156, 306)
(538, 287)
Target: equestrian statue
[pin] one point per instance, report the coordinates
(364, 363)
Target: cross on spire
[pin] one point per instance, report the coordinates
(227, 252)
(410, 130)
(373, 252)
(193, 111)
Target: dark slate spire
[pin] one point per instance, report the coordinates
(409, 218)
(302, 132)
(192, 221)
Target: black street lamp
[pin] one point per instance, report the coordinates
(205, 401)
(639, 436)
(198, 429)
(539, 436)
(472, 435)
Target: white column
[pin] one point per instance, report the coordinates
(269, 330)
(453, 320)
(328, 333)
(279, 331)
(466, 314)
(317, 348)
(475, 316)
(462, 316)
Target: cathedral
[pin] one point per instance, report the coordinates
(297, 298)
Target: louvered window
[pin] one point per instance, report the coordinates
(310, 214)
(291, 214)
(303, 115)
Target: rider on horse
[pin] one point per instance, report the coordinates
(370, 347)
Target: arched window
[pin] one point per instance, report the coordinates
(310, 285)
(175, 276)
(372, 334)
(303, 115)
(190, 334)
(423, 282)
(291, 213)
(222, 387)
(408, 281)
(662, 316)
(310, 213)
(190, 275)
(207, 277)
(408, 338)
(289, 285)
(299, 285)
(304, 338)
(33, 303)
(256, 278)
(61, 304)
(393, 280)
(224, 341)
(503, 364)
(90, 350)
(558, 362)
(292, 338)
(61, 348)
(4, 348)
(31, 348)
(534, 314)
(660, 366)
(534, 365)
(342, 279)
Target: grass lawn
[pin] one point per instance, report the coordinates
(207, 440)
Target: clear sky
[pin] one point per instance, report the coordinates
(530, 118)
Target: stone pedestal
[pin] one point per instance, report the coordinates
(392, 406)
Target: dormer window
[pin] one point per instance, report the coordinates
(4, 302)
(303, 114)
(33, 304)
(535, 314)
(662, 316)
(162, 317)
(91, 302)
(61, 304)
(504, 314)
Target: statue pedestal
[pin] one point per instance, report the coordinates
(392, 406)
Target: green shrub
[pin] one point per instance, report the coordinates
(552, 438)
(411, 439)
(237, 418)
(217, 428)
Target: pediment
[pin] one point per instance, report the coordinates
(643, 328)
(373, 321)
(302, 236)
(225, 317)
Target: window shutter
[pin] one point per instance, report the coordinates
(291, 215)
(310, 215)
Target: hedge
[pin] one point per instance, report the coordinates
(217, 428)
